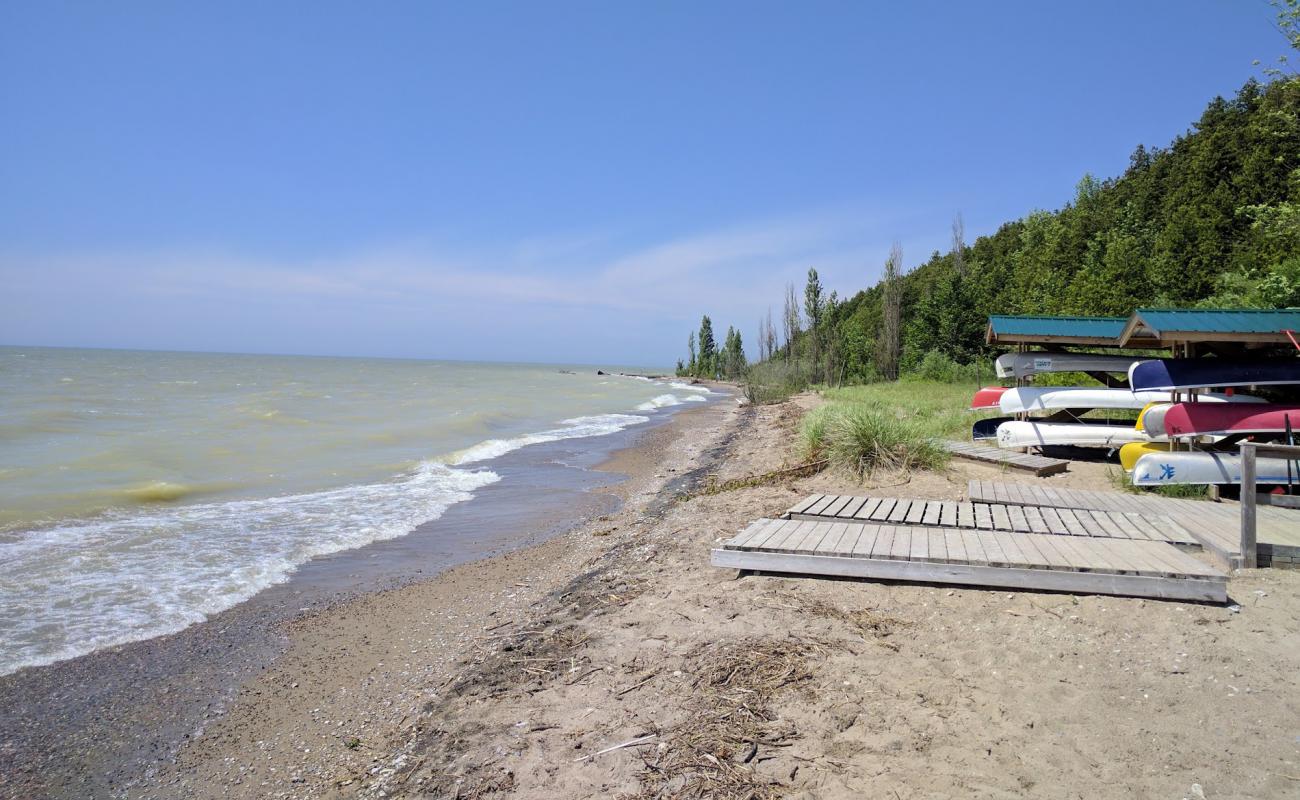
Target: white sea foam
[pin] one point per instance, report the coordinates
(75, 588)
(688, 387)
(576, 428)
(661, 401)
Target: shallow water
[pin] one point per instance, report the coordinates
(141, 492)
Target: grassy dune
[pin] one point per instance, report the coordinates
(887, 425)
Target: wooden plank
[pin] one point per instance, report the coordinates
(830, 540)
(899, 512)
(920, 544)
(932, 512)
(1072, 522)
(1205, 590)
(867, 509)
(902, 547)
(806, 503)
(784, 535)
(983, 517)
(753, 529)
(956, 547)
(916, 513)
(1018, 520)
(769, 534)
(883, 510)
(966, 515)
(884, 545)
(1001, 521)
(866, 540)
(948, 513)
(1055, 524)
(1011, 553)
(834, 509)
(809, 535)
(848, 539)
(820, 505)
(851, 509)
(974, 550)
(938, 546)
(992, 551)
(1036, 522)
(1047, 548)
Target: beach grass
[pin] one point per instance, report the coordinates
(887, 425)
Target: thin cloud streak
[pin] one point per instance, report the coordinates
(734, 274)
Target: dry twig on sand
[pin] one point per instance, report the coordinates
(715, 752)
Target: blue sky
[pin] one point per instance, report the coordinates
(545, 181)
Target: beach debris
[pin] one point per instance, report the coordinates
(630, 743)
(730, 722)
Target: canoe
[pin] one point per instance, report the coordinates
(987, 397)
(1198, 467)
(1153, 421)
(1131, 452)
(1046, 434)
(1023, 365)
(1170, 374)
(986, 429)
(1192, 419)
(1142, 415)
(1025, 398)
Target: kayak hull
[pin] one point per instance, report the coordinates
(1203, 468)
(1131, 452)
(987, 397)
(1046, 434)
(1192, 419)
(1025, 365)
(1175, 374)
(1025, 399)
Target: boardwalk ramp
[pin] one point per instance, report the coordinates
(950, 555)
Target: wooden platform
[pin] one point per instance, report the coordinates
(994, 517)
(1215, 525)
(972, 557)
(1039, 465)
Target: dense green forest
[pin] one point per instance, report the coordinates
(1211, 220)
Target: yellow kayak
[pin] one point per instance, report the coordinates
(1131, 452)
(1142, 416)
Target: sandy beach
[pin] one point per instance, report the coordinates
(514, 675)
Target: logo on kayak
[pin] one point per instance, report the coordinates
(1166, 472)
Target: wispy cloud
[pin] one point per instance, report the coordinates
(733, 273)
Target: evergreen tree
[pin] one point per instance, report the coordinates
(707, 364)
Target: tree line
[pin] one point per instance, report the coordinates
(1212, 220)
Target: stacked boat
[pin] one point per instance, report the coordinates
(1192, 414)
(1193, 442)
(1037, 417)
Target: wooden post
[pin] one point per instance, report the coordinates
(1248, 554)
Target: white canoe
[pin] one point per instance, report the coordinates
(1044, 434)
(1023, 365)
(1047, 398)
(1196, 467)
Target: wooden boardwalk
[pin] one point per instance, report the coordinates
(972, 557)
(994, 517)
(1039, 465)
(1215, 525)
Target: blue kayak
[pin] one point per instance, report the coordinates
(1202, 373)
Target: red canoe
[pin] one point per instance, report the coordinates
(988, 397)
(1193, 419)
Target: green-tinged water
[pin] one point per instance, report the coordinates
(141, 491)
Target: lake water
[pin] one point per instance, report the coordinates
(141, 492)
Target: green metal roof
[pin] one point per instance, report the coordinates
(1064, 327)
(1219, 320)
